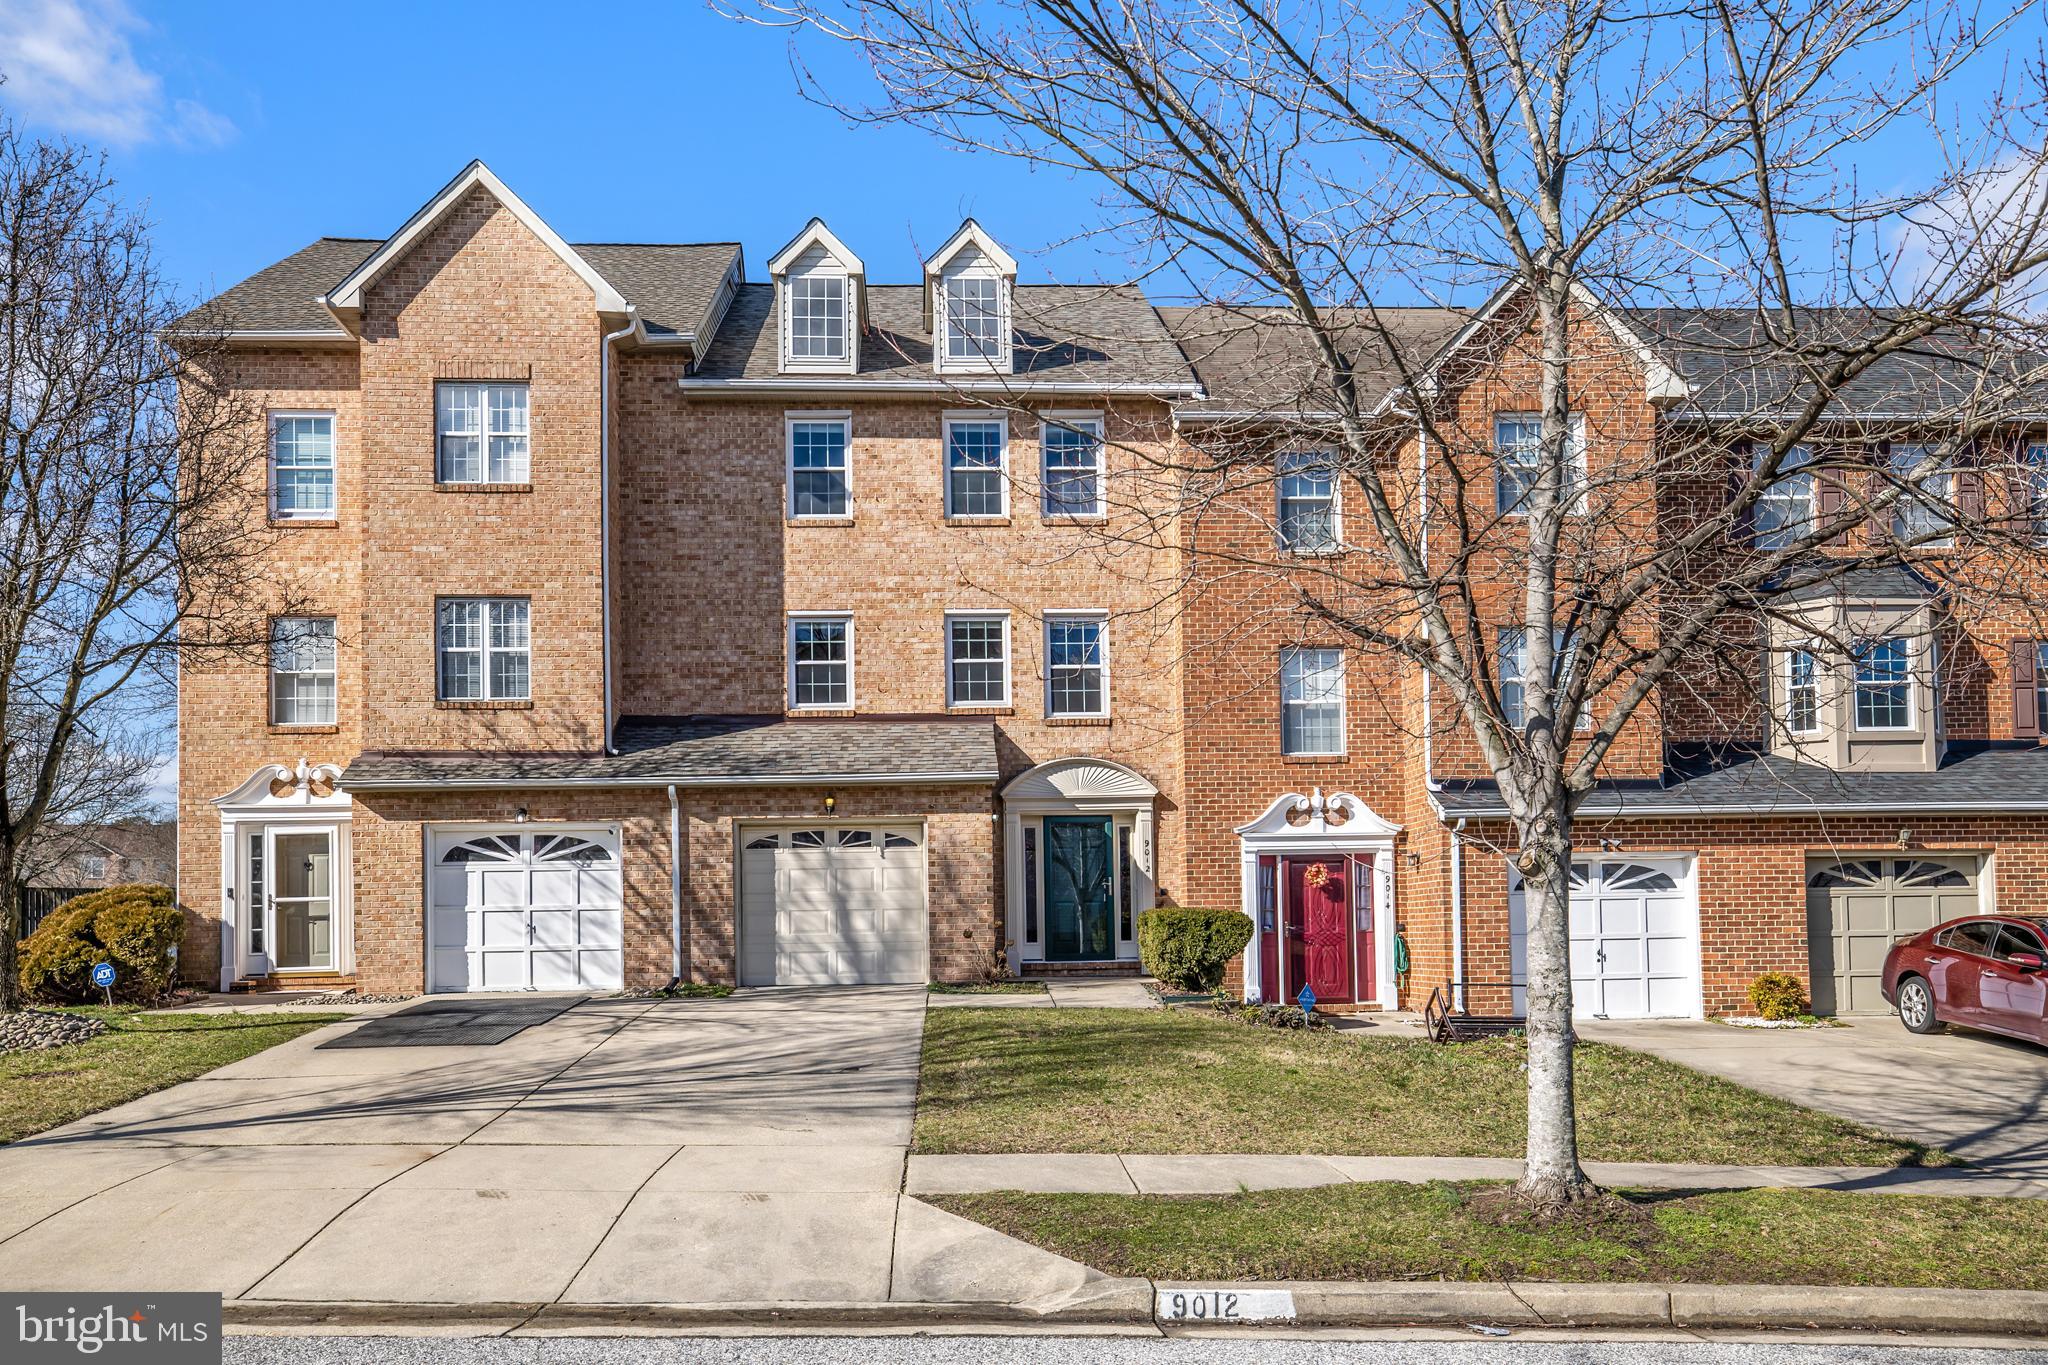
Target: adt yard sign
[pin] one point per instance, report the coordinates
(103, 977)
(1307, 999)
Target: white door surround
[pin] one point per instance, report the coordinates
(1076, 786)
(276, 799)
(1339, 824)
(1635, 937)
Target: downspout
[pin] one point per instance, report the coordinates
(1458, 910)
(604, 506)
(675, 888)
(1429, 782)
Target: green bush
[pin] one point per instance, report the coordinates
(1188, 948)
(134, 927)
(1778, 995)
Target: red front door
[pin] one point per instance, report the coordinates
(1319, 929)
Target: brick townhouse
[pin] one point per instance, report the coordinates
(668, 622)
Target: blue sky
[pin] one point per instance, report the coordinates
(247, 129)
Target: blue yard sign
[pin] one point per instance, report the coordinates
(1307, 999)
(102, 974)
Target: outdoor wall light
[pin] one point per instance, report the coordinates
(830, 802)
(1905, 838)
(520, 816)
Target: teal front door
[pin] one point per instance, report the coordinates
(1080, 891)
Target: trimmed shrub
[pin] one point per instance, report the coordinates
(1188, 948)
(1778, 995)
(134, 927)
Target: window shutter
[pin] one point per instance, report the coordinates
(1741, 525)
(1970, 496)
(1829, 498)
(1879, 520)
(2026, 711)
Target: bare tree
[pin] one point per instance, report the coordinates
(132, 519)
(1306, 167)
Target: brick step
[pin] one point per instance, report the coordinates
(294, 982)
(1070, 971)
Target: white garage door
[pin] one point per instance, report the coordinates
(832, 906)
(537, 909)
(1635, 940)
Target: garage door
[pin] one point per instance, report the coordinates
(538, 909)
(832, 906)
(1635, 940)
(1855, 907)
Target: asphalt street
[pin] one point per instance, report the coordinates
(1047, 1349)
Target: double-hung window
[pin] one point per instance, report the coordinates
(819, 478)
(817, 317)
(2034, 479)
(1076, 665)
(481, 433)
(1802, 690)
(976, 460)
(977, 659)
(1884, 685)
(1312, 701)
(973, 317)
(821, 662)
(302, 466)
(1308, 502)
(1785, 509)
(2040, 681)
(1518, 451)
(1514, 679)
(302, 670)
(485, 653)
(1926, 493)
(1071, 451)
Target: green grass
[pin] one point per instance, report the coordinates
(988, 988)
(1468, 1232)
(1181, 1081)
(141, 1052)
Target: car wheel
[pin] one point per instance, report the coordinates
(1916, 1006)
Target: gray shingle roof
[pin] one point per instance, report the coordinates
(1064, 333)
(1259, 360)
(672, 284)
(1986, 777)
(716, 751)
(1814, 579)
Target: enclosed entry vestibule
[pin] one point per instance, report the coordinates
(285, 883)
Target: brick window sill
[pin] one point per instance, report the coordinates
(277, 729)
(486, 488)
(977, 521)
(817, 521)
(443, 704)
(968, 709)
(1077, 720)
(305, 523)
(1314, 760)
(1074, 518)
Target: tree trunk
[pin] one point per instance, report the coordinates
(1552, 1180)
(10, 931)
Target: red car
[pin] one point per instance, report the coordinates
(1986, 972)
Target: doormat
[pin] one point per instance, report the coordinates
(456, 1023)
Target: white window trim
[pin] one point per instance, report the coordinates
(1807, 457)
(333, 462)
(484, 649)
(1287, 655)
(1096, 614)
(483, 432)
(1856, 686)
(943, 360)
(333, 673)
(795, 619)
(950, 420)
(789, 426)
(1336, 545)
(1562, 643)
(1930, 468)
(1575, 439)
(1811, 649)
(1078, 420)
(1009, 659)
(785, 305)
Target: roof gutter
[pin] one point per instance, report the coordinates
(1753, 809)
(853, 387)
(655, 783)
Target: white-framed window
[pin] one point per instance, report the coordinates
(484, 650)
(2034, 474)
(1070, 448)
(1076, 664)
(817, 317)
(977, 466)
(1308, 502)
(821, 661)
(974, 318)
(1884, 684)
(820, 467)
(1311, 701)
(302, 466)
(1802, 690)
(1518, 453)
(1513, 665)
(1927, 492)
(481, 433)
(977, 658)
(302, 670)
(1785, 509)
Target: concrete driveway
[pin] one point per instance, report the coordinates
(1983, 1098)
(716, 1152)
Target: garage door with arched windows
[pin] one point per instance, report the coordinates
(533, 908)
(832, 905)
(1635, 939)
(1857, 906)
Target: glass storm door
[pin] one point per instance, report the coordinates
(1079, 890)
(301, 899)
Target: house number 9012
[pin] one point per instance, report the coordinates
(1224, 1305)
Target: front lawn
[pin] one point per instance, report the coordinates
(1467, 1232)
(141, 1052)
(1179, 1081)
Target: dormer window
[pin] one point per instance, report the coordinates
(968, 288)
(817, 317)
(818, 302)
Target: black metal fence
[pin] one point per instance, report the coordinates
(38, 901)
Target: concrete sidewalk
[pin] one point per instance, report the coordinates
(1090, 1173)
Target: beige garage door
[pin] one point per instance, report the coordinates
(1857, 907)
(832, 905)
